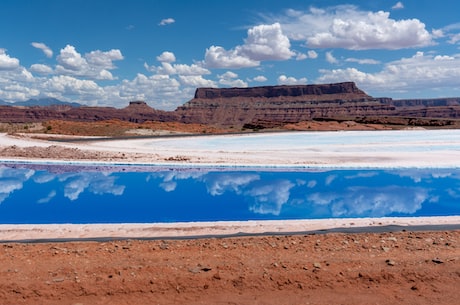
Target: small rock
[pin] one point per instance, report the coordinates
(199, 268)
(195, 270)
(437, 261)
(58, 280)
(317, 265)
(216, 276)
(390, 262)
(206, 269)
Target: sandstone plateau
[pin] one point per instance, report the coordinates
(262, 107)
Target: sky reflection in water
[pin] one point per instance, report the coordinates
(53, 194)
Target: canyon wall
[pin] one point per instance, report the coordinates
(260, 107)
(278, 105)
(345, 90)
(137, 112)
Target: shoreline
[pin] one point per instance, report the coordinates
(218, 229)
(297, 150)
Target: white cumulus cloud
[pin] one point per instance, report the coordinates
(264, 42)
(267, 42)
(312, 54)
(45, 49)
(180, 69)
(104, 59)
(414, 73)
(164, 91)
(194, 81)
(7, 62)
(346, 26)
(93, 65)
(363, 61)
(70, 59)
(330, 58)
(260, 79)
(218, 57)
(63, 85)
(231, 79)
(167, 21)
(289, 80)
(166, 57)
(399, 5)
(41, 69)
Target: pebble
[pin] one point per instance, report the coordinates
(437, 261)
(199, 268)
(390, 262)
(58, 280)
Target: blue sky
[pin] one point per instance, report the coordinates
(107, 53)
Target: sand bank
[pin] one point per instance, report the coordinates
(36, 232)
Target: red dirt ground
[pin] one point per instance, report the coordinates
(365, 268)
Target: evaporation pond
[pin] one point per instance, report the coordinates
(42, 194)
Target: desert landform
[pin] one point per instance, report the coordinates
(352, 261)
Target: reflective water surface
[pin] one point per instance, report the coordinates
(93, 194)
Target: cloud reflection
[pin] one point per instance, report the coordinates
(420, 175)
(12, 179)
(217, 184)
(95, 182)
(275, 195)
(270, 197)
(356, 201)
(170, 178)
(48, 198)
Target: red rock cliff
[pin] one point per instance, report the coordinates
(275, 105)
(347, 89)
(267, 106)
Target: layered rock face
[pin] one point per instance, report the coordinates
(428, 108)
(342, 90)
(259, 107)
(276, 105)
(137, 112)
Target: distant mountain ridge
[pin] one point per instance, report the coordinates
(42, 102)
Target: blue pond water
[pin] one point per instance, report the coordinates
(41, 194)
